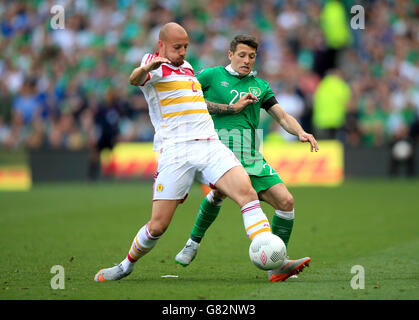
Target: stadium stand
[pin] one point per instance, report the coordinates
(68, 88)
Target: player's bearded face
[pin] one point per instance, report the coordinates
(243, 59)
(175, 49)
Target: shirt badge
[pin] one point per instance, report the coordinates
(255, 91)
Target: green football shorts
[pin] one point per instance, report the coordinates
(265, 179)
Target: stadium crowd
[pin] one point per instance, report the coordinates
(68, 88)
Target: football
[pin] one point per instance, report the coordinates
(267, 251)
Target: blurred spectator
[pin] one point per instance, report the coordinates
(5, 103)
(26, 102)
(335, 26)
(372, 121)
(107, 119)
(334, 23)
(15, 134)
(330, 103)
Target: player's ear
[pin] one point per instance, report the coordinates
(230, 54)
(160, 43)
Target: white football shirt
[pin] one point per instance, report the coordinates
(176, 104)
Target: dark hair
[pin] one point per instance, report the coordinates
(244, 39)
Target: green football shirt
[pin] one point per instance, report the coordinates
(237, 131)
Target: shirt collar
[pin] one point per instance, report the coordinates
(231, 71)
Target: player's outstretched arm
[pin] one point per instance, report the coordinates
(219, 108)
(139, 75)
(291, 125)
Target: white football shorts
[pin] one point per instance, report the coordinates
(180, 164)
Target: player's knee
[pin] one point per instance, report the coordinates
(252, 193)
(248, 194)
(157, 229)
(287, 203)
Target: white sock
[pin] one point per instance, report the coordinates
(287, 215)
(254, 219)
(141, 245)
(127, 265)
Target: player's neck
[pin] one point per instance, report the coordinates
(233, 72)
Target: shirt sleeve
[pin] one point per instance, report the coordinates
(268, 99)
(154, 75)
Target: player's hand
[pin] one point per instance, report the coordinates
(156, 63)
(243, 102)
(139, 75)
(307, 137)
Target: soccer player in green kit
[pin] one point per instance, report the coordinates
(237, 129)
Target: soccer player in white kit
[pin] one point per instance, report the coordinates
(188, 144)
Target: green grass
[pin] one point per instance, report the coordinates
(85, 227)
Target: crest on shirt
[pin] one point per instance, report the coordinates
(255, 91)
(160, 187)
(224, 83)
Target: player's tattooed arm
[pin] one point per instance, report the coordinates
(219, 108)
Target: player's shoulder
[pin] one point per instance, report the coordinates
(147, 58)
(262, 83)
(260, 87)
(260, 80)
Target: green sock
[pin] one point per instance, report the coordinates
(283, 227)
(206, 216)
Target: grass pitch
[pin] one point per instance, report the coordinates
(85, 227)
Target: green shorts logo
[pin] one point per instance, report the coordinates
(255, 91)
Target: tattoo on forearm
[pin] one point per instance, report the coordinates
(219, 108)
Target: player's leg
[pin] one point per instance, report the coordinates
(235, 184)
(144, 241)
(281, 199)
(172, 183)
(207, 213)
(161, 216)
(229, 177)
(225, 172)
(210, 205)
(149, 234)
(210, 208)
